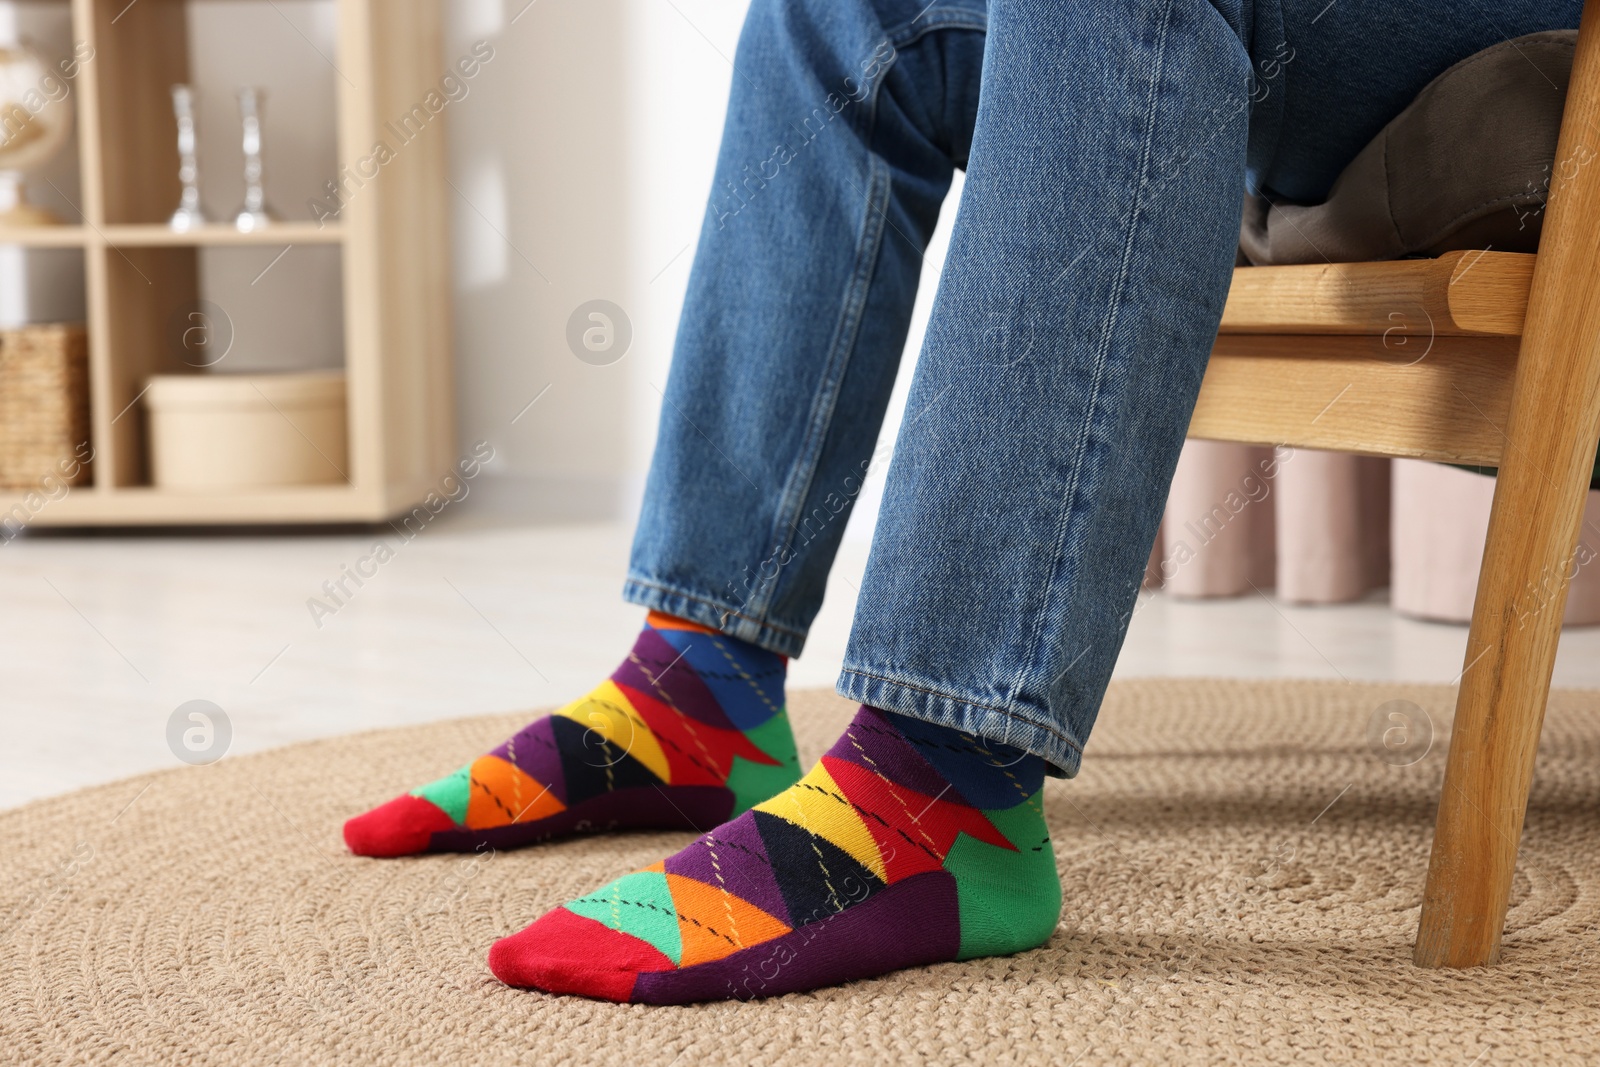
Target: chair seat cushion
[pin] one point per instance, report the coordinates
(1466, 165)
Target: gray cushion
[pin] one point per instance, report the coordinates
(1467, 165)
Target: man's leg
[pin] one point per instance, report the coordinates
(846, 123)
(1088, 267)
(1090, 262)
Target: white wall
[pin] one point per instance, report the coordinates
(583, 161)
(590, 143)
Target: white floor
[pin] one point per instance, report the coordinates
(104, 636)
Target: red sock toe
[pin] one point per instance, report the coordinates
(401, 827)
(568, 953)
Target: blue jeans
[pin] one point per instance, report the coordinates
(1107, 146)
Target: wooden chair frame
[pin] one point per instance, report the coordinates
(1476, 357)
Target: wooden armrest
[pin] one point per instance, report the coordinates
(1457, 293)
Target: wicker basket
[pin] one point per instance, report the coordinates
(44, 405)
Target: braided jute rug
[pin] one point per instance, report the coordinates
(1242, 879)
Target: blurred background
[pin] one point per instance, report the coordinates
(577, 162)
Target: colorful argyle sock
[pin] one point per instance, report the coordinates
(908, 844)
(689, 731)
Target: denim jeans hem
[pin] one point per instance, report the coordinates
(1040, 737)
(708, 611)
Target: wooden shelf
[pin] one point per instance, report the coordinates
(46, 236)
(284, 233)
(393, 245)
(154, 235)
(147, 506)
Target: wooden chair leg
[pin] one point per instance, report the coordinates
(1533, 531)
(1510, 651)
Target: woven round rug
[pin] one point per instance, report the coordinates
(1242, 868)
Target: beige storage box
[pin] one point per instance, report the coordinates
(237, 431)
